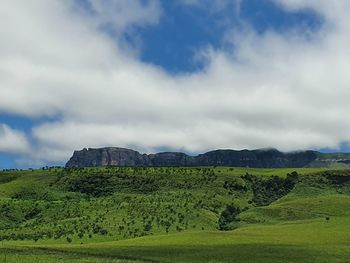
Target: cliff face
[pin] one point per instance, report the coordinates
(267, 158)
(107, 156)
(171, 159)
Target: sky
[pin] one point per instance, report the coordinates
(179, 75)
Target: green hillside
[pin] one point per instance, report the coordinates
(157, 214)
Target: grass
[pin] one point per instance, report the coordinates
(174, 216)
(45, 256)
(304, 241)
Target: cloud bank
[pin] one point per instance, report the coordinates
(288, 90)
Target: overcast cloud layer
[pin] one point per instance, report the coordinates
(290, 91)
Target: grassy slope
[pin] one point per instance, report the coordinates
(315, 241)
(292, 229)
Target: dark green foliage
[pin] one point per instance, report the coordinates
(97, 182)
(337, 178)
(266, 191)
(228, 217)
(91, 184)
(148, 226)
(103, 184)
(8, 177)
(290, 181)
(236, 184)
(32, 213)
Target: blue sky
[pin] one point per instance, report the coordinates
(23, 124)
(183, 30)
(161, 43)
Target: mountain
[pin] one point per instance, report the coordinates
(126, 157)
(261, 158)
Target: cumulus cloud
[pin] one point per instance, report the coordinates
(282, 90)
(123, 14)
(12, 141)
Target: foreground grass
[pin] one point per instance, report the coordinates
(29, 255)
(302, 241)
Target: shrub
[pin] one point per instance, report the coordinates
(228, 217)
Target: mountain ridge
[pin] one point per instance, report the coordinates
(259, 158)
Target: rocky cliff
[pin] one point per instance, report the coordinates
(108, 156)
(264, 158)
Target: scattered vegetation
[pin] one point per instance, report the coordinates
(83, 210)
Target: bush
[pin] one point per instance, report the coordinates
(228, 217)
(266, 191)
(236, 184)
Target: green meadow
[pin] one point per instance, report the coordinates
(175, 214)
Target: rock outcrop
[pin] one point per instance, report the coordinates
(263, 158)
(107, 156)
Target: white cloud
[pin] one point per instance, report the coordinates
(284, 91)
(123, 14)
(12, 141)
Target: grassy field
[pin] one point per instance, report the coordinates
(175, 215)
